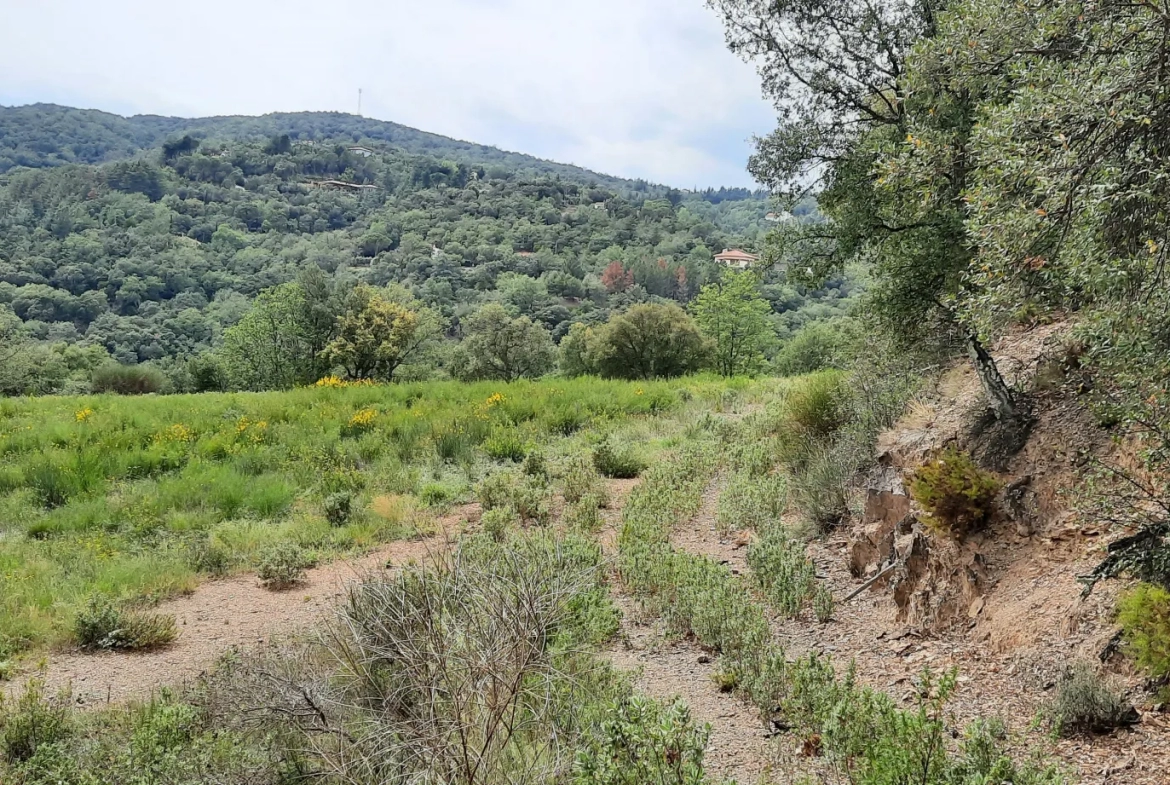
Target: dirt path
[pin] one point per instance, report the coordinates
(236, 612)
(738, 747)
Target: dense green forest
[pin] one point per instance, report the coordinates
(150, 258)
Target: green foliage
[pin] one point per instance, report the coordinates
(815, 406)
(579, 479)
(787, 576)
(751, 502)
(506, 445)
(958, 496)
(32, 722)
(373, 336)
(127, 379)
(103, 625)
(527, 497)
(282, 566)
(733, 315)
(815, 347)
(1085, 702)
(338, 507)
(138, 497)
(618, 462)
(497, 346)
(649, 342)
(1144, 616)
(498, 521)
(643, 741)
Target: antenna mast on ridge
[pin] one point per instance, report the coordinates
(359, 102)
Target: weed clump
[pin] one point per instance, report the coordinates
(1086, 703)
(338, 508)
(619, 463)
(526, 496)
(958, 496)
(1144, 615)
(103, 625)
(32, 722)
(787, 576)
(283, 566)
(644, 741)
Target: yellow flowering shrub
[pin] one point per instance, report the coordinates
(83, 415)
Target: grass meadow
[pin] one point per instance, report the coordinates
(136, 499)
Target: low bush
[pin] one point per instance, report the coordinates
(579, 479)
(32, 722)
(751, 502)
(103, 625)
(338, 508)
(283, 566)
(505, 445)
(816, 405)
(1144, 615)
(620, 463)
(207, 556)
(584, 515)
(127, 379)
(958, 496)
(526, 496)
(642, 741)
(786, 575)
(535, 465)
(436, 494)
(498, 521)
(1085, 702)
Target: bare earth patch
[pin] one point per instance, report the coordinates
(221, 615)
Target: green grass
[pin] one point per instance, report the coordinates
(140, 498)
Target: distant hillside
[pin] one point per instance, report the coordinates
(44, 135)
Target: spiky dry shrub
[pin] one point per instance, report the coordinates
(463, 672)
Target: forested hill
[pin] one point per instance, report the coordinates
(42, 135)
(153, 255)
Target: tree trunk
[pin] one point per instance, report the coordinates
(1003, 400)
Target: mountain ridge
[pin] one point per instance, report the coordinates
(43, 135)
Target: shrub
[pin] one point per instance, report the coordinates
(781, 568)
(815, 406)
(1086, 702)
(751, 503)
(814, 347)
(33, 722)
(526, 496)
(535, 465)
(436, 494)
(498, 521)
(578, 479)
(283, 566)
(505, 444)
(127, 379)
(643, 741)
(1144, 614)
(618, 463)
(957, 495)
(103, 625)
(584, 515)
(338, 508)
(207, 556)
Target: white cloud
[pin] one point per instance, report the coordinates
(631, 87)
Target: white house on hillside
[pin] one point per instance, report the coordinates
(740, 260)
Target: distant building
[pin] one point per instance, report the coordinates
(736, 258)
(782, 217)
(364, 152)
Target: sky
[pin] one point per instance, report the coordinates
(636, 88)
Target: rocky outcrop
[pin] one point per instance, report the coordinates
(935, 582)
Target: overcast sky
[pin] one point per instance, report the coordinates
(640, 88)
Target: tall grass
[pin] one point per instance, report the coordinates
(136, 497)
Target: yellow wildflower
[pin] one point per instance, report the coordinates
(83, 415)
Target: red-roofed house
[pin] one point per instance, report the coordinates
(736, 258)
